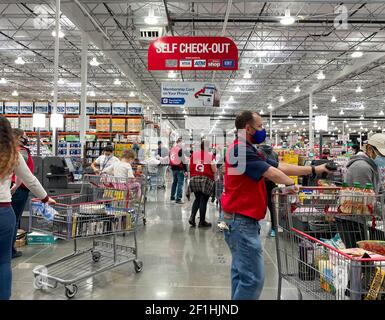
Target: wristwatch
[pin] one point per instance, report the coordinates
(313, 173)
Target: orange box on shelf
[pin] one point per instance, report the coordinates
(118, 125)
(103, 125)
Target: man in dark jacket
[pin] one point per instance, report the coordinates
(269, 153)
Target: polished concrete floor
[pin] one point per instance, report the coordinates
(179, 262)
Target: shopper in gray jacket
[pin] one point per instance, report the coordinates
(364, 168)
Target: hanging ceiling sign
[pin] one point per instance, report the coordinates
(189, 94)
(193, 53)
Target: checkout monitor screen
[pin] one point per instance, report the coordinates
(69, 164)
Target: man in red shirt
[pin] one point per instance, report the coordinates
(244, 202)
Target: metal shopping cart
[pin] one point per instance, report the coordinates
(107, 206)
(322, 243)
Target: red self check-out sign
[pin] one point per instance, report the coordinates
(193, 53)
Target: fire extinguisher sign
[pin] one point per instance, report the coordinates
(193, 53)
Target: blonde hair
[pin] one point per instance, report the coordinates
(128, 154)
(9, 155)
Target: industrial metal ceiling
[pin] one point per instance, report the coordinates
(279, 58)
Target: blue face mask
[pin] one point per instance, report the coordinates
(379, 161)
(259, 136)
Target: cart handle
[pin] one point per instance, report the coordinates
(336, 250)
(71, 205)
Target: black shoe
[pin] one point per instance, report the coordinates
(192, 222)
(172, 199)
(204, 224)
(179, 202)
(16, 254)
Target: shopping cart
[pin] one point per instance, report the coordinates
(107, 206)
(317, 243)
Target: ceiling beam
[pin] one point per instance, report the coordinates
(347, 72)
(75, 14)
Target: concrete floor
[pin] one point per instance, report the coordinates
(179, 262)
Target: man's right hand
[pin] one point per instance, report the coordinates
(321, 169)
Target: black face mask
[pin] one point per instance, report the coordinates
(24, 141)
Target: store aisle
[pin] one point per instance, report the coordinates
(179, 262)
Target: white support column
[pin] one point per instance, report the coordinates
(276, 139)
(271, 127)
(311, 133)
(83, 97)
(56, 73)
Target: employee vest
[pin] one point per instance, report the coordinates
(200, 164)
(243, 195)
(175, 160)
(30, 165)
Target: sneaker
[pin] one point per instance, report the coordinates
(172, 199)
(272, 233)
(16, 254)
(179, 202)
(192, 222)
(204, 224)
(222, 226)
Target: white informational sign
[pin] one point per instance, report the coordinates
(119, 108)
(1, 107)
(321, 123)
(41, 107)
(134, 109)
(72, 107)
(11, 107)
(189, 94)
(197, 123)
(90, 108)
(26, 107)
(103, 108)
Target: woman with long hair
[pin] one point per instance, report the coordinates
(11, 162)
(202, 170)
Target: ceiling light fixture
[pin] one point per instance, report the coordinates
(315, 107)
(151, 19)
(60, 81)
(280, 120)
(359, 89)
(357, 54)
(231, 99)
(19, 60)
(92, 93)
(117, 82)
(290, 117)
(303, 123)
(94, 62)
(362, 117)
(260, 112)
(287, 19)
(333, 99)
(342, 112)
(15, 93)
(300, 112)
(237, 89)
(3, 81)
(270, 106)
(297, 89)
(381, 113)
(321, 75)
(132, 94)
(61, 34)
(171, 74)
(361, 107)
(281, 99)
(247, 74)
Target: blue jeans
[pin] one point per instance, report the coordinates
(7, 227)
(247, 266)
(177, 184)
(19, 199)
